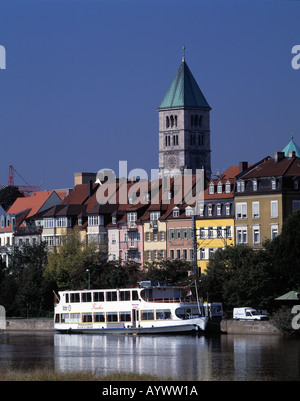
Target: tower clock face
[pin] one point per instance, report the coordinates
(172, 162)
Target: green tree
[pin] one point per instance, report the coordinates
(8, 195)
(173, 272)
(23, 285)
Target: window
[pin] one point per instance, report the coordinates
(74, 297)
(125, 316)
(111, 296)
(162, 235)
(274, 231)
(202, 254)
(49, 240)
(124, 295)
(154, 215)
(63, 222)
(112, 316)
(227, 209)
(176, 212)
(273, 183)
(184, 254)
(184, 233)
(74, 318)
(162, 314)
(209, 210)
(254, 185)
(255, 210)
(155, 236)
(98, 296)
(155, 255)
(138, 236)
(256, 235)
(162, 254)
(178, 232)
(86, 297)
(148, 255)
(178, 254)
(86, 318)
(147, 315)
(113, 239)
(219, 210)
(211, 188)
(242, 235)
(219, 188)
(295, 205)
(240, 186)
(172, 236)
(274, 209)
(241, 210)
(131, 217)
(172, 254)
(99, 317)
(189, 211)
(148, 236)
(227, 187)
(93, 220)
(48, 223)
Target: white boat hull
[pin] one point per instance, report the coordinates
(192, 325)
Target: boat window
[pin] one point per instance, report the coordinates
(124, 295)
(147, 315)
(67, 298)
(86, 297)
(112, 316)
(99, 296)
(74, 318)
(75, 297)
(86, 317)
(163, 314)
(125, 316)
(65, 318)
(57, 316)
(111, 296)
(135, 295)
(99, 317)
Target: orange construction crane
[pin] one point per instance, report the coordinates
(23, 188)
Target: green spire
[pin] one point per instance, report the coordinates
(184, 90)
(292, 147)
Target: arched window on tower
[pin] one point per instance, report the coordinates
(172, 121)
(167, 122)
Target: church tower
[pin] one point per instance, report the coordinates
(184, 126)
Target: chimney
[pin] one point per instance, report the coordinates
(243, 166)
(278, 156)
(292, 153)
(90, 188)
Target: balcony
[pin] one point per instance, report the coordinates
(153, 224)
(28, 231)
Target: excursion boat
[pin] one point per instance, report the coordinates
(144, 310)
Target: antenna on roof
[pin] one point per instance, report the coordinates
(183, 53)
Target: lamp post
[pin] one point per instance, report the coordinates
(89, 278)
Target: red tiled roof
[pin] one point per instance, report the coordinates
(33, 202)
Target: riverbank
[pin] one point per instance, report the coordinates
(229, 326)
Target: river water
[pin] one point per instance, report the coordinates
(185, 357)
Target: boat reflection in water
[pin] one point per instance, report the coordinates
(164, 356)
(181, 357)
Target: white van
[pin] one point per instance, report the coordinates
(248, 313)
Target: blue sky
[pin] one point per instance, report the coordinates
(84, 79)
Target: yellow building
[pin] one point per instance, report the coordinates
(215, 226)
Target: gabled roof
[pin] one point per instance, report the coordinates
(33, 202)
(292, 147)
(184, 91)
(269, 167)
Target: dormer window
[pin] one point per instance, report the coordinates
(219, 188)
(254, 184)
(240, 186)
(227, 187)
(273, 183)
(176, 212)
(189, 211)
(211, 188)
(114, 220)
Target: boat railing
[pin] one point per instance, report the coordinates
(170, 300)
